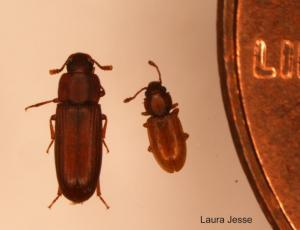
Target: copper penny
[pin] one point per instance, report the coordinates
(259, 60)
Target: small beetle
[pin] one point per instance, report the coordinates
(166, 136)
(78, 129)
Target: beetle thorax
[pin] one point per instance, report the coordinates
(158, 101)
(158, 104)
(79, 88)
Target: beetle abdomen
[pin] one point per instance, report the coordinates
(78, 149)
(167, 141)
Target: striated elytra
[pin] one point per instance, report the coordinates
(166, 136)
(79, 132)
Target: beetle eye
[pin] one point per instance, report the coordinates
(70, 59)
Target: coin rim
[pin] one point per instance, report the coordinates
(231, 93)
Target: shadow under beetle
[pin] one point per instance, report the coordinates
(166, 136)
(78, 133)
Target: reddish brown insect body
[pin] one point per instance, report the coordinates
(166, 136)
(78, 132)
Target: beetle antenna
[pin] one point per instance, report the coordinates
(153, 64)
(103, 67)
(56, 71)
(134, 96)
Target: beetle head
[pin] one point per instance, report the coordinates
(80, 62)
(158, 101)
(155, 87)
(152, 88)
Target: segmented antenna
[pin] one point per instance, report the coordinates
(137, 93)
(56, 71)
(153, 64)
(103, 67)
(134, 96)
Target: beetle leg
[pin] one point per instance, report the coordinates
(175, 111)
(174, 105)
(145, 113)
(145, 125)
(186, 136)
(52, 132)
(55, 100)
(105, 145)
(149, 149)
(99, 194)
(104, 117)
(59, 193)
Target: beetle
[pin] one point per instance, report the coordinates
(78, 133)
(166, 136)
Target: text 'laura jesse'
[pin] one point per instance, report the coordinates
(227, 220)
